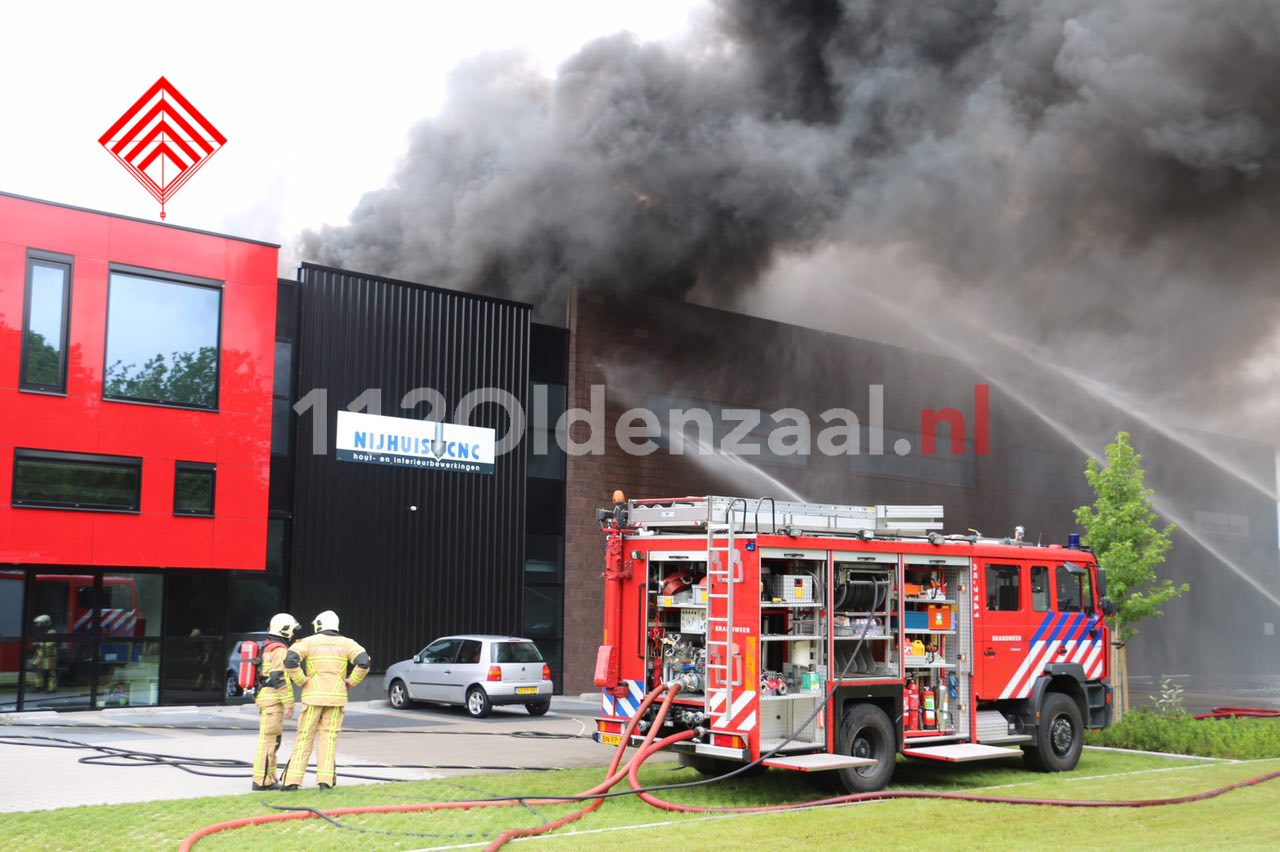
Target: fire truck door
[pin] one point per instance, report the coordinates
(1002, 627)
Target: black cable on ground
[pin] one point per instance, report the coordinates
(534, 735)
(121, 757)
(336, 823)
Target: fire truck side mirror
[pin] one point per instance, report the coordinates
(1107, 606)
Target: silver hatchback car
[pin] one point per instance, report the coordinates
(474, 671)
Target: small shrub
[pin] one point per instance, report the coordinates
(1169, 701)
(1236, 739)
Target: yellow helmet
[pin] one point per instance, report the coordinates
(283, 624)
(327, 620)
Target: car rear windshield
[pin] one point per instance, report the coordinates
(516, 652)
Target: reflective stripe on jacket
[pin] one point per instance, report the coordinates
(323, 672)
(273, 661)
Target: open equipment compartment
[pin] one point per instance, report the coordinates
(864, 602)
(936, 648)
(793, 646)
(676, 622)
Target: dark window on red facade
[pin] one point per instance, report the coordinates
(194, 487)
(45, 319)
(162, 340)
(52, 480)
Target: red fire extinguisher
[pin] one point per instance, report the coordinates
(930, 708)
(911, 715)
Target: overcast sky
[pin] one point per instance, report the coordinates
(316, 99)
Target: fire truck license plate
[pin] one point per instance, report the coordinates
(526, 690)
(610, 739)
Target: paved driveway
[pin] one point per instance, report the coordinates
(434, 741)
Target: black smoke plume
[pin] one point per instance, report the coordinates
(1097, 178)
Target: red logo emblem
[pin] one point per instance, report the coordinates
(162, 140)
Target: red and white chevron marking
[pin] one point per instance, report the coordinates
(741, 715)
(115, 622)
(162, 140)
(1077, 645)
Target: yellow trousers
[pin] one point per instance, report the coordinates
(270, 727)
(320, 725)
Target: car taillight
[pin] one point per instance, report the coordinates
(546, 672)
(495, 673)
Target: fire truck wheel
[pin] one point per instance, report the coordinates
(478, 703)
(865, 731)
(398, 695)
(1059, 737)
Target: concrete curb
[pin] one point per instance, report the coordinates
(1164, 754)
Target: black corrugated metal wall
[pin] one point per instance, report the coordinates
(398, 578)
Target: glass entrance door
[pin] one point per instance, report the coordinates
(61, 617)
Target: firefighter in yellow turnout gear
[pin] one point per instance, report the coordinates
(319, 664)
(44, 654)
(274, 698)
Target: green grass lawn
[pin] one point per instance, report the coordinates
(1239, 819)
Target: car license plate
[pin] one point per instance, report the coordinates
(610, 739)
(526, 690)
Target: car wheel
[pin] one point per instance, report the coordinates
(1059, 737)
(478, 703)
(398, 695)
(538, 708)
(232, 688)
(865, 731)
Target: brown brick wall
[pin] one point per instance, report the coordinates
(638, 349)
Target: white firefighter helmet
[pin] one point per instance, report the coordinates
(327, 620)
(283, 624)
(43, 622)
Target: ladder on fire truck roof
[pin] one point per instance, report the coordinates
(767, 515)
(724, 569)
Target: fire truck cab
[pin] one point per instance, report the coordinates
(821, 637)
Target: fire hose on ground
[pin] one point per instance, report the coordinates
(1240, 713)
(650, 745)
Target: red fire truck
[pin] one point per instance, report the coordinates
(824, 637)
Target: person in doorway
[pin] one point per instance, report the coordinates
(274, 698)
(44, 654)
(326, 665)
(207, 677)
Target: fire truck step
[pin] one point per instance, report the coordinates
(961, 752)
(818, 762)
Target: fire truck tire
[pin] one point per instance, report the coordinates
(398, 695)
(478, 703)
(865, 731)
(538, 708)
(1059, 736)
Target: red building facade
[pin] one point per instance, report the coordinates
(137, 370)
(135, 355)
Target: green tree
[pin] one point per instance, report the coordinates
(1121, 527)
(189, 378)
(42, 360)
